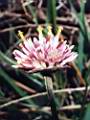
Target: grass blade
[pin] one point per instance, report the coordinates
(10, 81)
(51, 12)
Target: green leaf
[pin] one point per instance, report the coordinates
(1, 94)
(11, 82)
(51, 12)
(80, 51)
(6, 59)
(87, 113)
(83, 34)
(35, 79)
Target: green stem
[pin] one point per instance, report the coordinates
(51, 11)
(83, 109)
(51, 97)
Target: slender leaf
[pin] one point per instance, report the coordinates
(1, 94)
(6, 59)
(51, 12)
(87, 113)
(11, 82)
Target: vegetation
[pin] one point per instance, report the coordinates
(51, 94)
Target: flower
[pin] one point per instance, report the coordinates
(43, 53)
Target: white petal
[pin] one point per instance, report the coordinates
(25, 50)
(69, 59)
(18, 53)
(54, 42)
(71, 47)
(36, 42)
(28, 44)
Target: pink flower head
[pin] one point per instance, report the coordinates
(43, 53)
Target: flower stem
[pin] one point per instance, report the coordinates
(51, 97)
